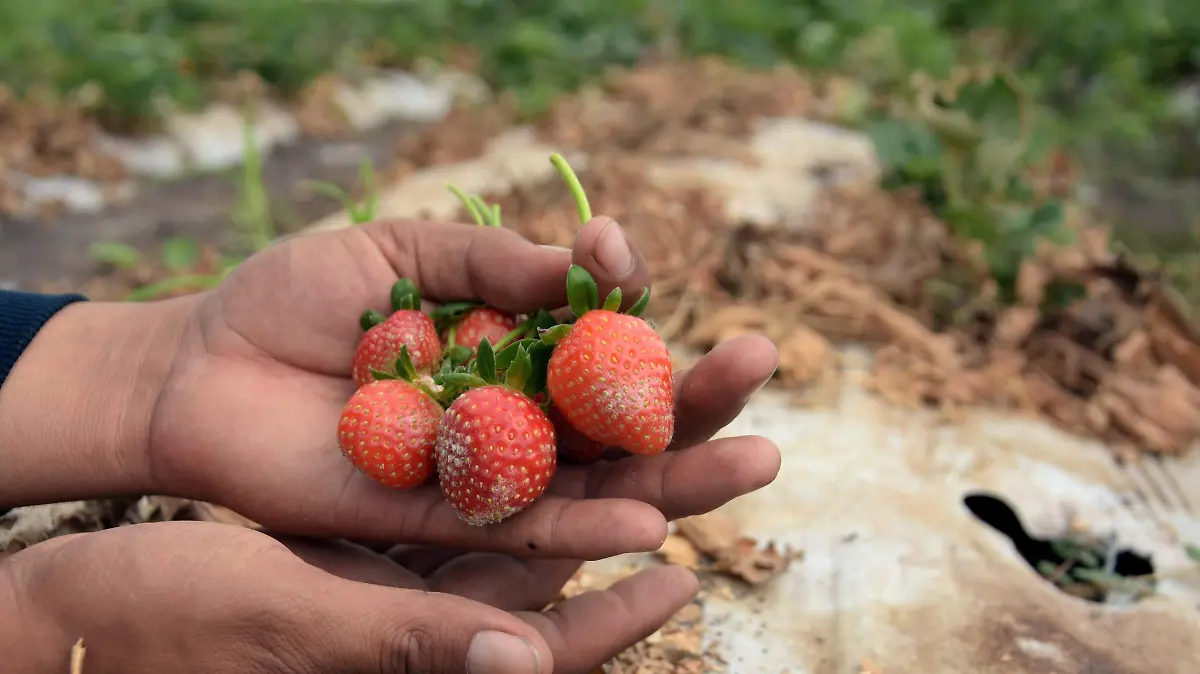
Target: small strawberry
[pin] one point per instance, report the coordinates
(406, 327)
(483, 323)
(572, 444)
(388, 430)
(495, 447)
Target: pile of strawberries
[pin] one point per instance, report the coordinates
(490, 401)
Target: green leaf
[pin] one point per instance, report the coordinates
(613, 301)
(405, 295)
(458, 354)
(370, 318)
(582, 293)
(1047, 218)
(554, 335)
(119, 255)
(379, 375)
(463, 380)
(505, 356)
(180, 253)
(543, 320)
(485, 361)
(1193, 552)
(639, 307)
(539, 358)
(404, 365)
(517, 374)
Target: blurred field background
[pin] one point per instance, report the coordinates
(1111, 85)
(1034, 243)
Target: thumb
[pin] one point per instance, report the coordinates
(385, 630)
(604, 249)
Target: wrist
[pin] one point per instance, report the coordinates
(75, 411)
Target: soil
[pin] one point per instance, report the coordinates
(52, 253)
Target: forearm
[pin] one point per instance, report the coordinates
(76, 407)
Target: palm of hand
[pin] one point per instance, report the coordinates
(262, 374)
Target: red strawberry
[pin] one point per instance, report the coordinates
(495, 453)
(572, 444)
(482, 322)
(611, 378)
(380, 346)
(388, 430)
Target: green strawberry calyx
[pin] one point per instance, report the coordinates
(403, 369)
(404, 295)
(520, 366)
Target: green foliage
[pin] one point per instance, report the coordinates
(1039, 74)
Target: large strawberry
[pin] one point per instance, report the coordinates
(406, 327)
(610, 374)
(495, 447)
(388, 430)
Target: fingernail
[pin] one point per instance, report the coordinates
(613, 251)
(499, 653)
(557, 249)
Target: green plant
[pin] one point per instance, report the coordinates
(361, 212)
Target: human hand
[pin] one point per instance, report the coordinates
(185, 597)
(247, 415)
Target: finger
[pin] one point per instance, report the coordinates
(590, 629)
(451, 262)
(552, 526)
(716, 389)
(350, 561)
(422, 559)
(349, 626)
(502, 581)
(679, 484)
(603, 248)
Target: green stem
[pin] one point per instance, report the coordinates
(581, 200)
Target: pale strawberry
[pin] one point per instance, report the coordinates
(495, 453)
(388, 430)
(611, 377)
(483, 322)
(380, 345)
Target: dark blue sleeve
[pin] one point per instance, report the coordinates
(22, 315)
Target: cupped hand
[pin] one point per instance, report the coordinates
(248, 414)
(187, 597)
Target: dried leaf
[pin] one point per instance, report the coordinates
(679, 551)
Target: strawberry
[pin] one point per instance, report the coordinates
(495, 446)
(379, 347)
(573, 445)
(610, 374)
(495, 453)
(388, 430)
(483, 323)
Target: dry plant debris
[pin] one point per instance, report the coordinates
(40, 137)
(727, 562)
(1121, 363)
(714, 543)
